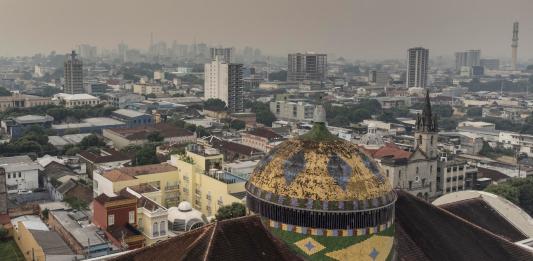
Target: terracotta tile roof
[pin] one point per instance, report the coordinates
(103, 198)
(142, 132)
(142, 202)
(112, 156)
(492, 174)
(129, 173)
(265, 133)
(236, 239)
(224, 145)
(441, 235)
(389, 150)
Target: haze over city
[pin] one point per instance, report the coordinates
(266, 130)
(357, 29)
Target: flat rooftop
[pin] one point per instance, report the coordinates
(129, 113)
(18, 163)
(89, 122)
(82, 233)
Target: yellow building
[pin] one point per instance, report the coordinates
(162, 177)
(37, 242)
(203, 182)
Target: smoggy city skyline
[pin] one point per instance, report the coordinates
(354, 29)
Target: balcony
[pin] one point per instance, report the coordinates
(172, 187)
(224, 176)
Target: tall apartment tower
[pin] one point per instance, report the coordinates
(467, 58)
(417, 67)
(226, 54)
(73, 69)
(307, 66)
(224, 81)
(514, 45)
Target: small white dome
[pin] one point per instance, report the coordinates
(185, 218)
(184, 206)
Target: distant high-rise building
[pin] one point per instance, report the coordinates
(226, 54)
(307, 66)
(467, 58)
(417, 67)
(380, 78)
(123, 52)
(224, 81)
(87, 51)
(73, 70)
(514, 45)
(235, 88)
(490, 64)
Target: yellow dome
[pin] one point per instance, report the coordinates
(320, 167)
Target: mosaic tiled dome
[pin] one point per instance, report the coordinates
(324, 198)
(319, 167)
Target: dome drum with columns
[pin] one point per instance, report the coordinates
(316, 191)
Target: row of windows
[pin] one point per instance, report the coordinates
(14, 175)
(454, 178)
(326, 220)
(454, 188)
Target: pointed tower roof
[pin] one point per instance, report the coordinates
(427, 121)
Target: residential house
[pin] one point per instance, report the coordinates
(106, 159)
(262, 139)
(164, 177)
(22, 173)
(152, 218)
(37, 242)
(81, 236)
(117, 217)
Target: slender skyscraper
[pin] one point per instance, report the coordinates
(417, 67)
(73, 69)
(224, 81)
(514, 45)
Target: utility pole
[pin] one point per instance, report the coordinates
(88, 247)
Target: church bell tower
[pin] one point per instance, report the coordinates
(426, 132)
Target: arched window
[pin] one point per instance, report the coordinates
(155, 229)
(431, 140)
(416, 169)
(431, 169)
(163, 228)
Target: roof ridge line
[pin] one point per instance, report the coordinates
(480, 229)
(208, 250)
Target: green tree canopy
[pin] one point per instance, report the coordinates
(155, 137)
(215, 105)
(4, 92)
(230, 211)
(516, 190)
(237, 124)
(474, 112)
(91, 141)
(145, 155)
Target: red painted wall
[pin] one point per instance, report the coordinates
(99, 215)
(122, 214)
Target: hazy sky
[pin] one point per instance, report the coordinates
(355, 29)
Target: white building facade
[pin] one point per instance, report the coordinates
(22, 174)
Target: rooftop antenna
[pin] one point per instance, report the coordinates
(501, 88)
